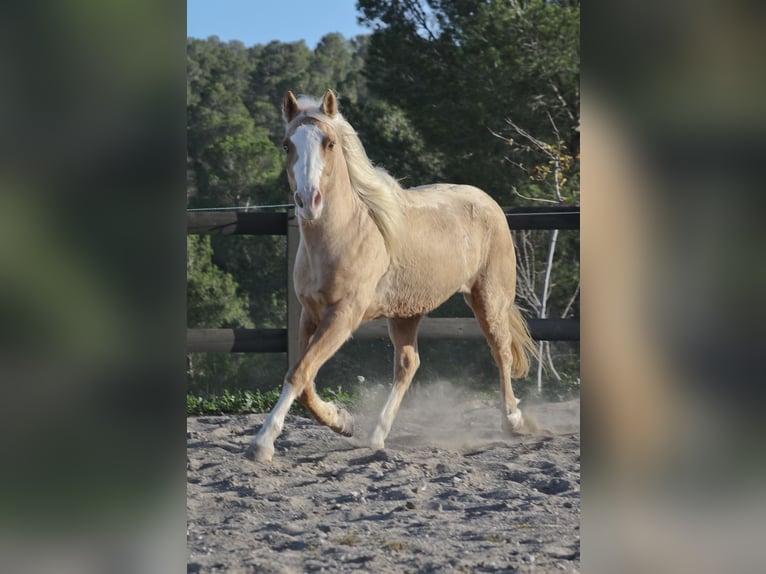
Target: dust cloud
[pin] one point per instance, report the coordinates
(447, 415)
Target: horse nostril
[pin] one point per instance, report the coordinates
(298, 200)
(317, 199)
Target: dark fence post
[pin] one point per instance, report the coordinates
(293, 305)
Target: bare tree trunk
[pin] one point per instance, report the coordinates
(549, 357)
(544, 303)
(561, 162)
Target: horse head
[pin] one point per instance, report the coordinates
(312, 154)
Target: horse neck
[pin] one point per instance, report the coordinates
(345, 220)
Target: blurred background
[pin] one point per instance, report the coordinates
(92, 310)
(673, 240)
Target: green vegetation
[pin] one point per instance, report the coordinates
(211, 293)
(243, 401)
(469, 91)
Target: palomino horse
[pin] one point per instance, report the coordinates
(370, 249)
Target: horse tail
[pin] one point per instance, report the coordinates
(522, 345)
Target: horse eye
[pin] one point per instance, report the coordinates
(284, 147)
(331, 145)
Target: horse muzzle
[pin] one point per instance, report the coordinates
(308, 205)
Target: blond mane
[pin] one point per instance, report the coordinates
(380, 192)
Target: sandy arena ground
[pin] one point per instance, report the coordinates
(450, 493)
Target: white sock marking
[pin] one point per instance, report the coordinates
(273, 424)
(386, 419)
(515, 418)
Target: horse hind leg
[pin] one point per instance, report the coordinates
(404, 336)
(493, 315)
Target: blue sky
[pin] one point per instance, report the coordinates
(261, 21)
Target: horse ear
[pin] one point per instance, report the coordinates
(289, 107)
(330, 104)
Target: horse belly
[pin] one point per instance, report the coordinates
(447, 249)
(429, 281)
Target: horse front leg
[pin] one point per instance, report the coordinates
(261, 448)
(337, 325)
(327, 414)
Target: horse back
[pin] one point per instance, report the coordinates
(453, 233)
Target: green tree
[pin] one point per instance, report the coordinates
(230, 157)
(337, 63)
(214, 300)
(260, 266)
(459, 68)
(392, 142)
(212, 295)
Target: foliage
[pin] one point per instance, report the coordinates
(438, 92)
(392, 141)
(210, 372)
(231, 402)
(211, 294)
(245, 401)
(459, 68)
(231, 158)
(259, 263)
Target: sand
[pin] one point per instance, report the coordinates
(449, 493)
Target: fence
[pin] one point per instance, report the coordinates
(281, 340)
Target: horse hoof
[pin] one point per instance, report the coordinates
(346, 427)
(376, 439)
(515, 423)
(526, 426)
(259, 453)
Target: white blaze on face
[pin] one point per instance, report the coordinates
(307, 170)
